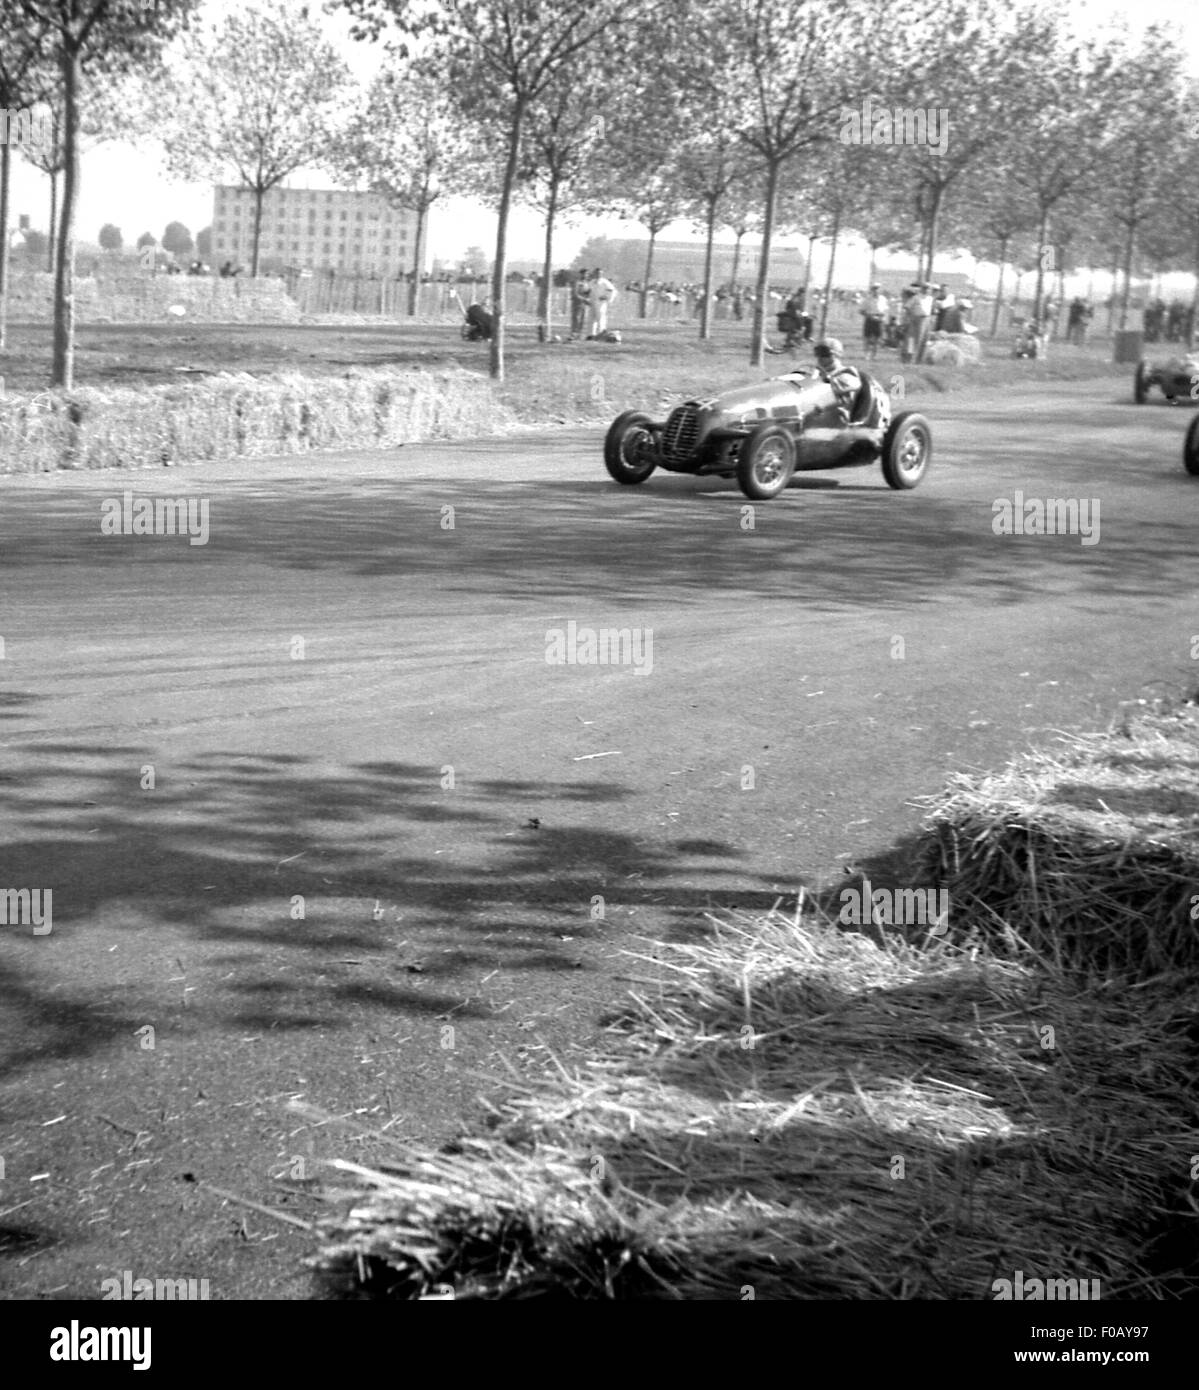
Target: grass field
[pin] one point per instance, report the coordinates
(656, 364)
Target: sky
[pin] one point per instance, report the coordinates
(131, 188)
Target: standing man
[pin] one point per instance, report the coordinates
(919, 306)
(791, 320)
(580, 294)
(603, 292)
(1076, 322)
(874, 315)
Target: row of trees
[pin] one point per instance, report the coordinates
(176, 240)
(971, 124)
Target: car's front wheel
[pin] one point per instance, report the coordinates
(907, 450)
(1140, 384)
(1190, 448)
(629, 448)
(765, 462)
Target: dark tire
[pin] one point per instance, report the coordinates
(1140, 384)
(626, 445)
(766, 462)
(1190, 448)
(907, 450)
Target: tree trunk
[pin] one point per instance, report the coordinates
(757, 348)
(705, 311)
(547, 269)
(501, 240)
(736, 258)
(418, 256)
(832, 260)
(649, 266)
(873, 260)
(1003, 241)
(64, 271)
(53, 241)
(1111, 302)
(1194, 296)
(1036, 303)
(934, 216)
(5, 174)
(1129, 243)
(807, 271)
(259, 194)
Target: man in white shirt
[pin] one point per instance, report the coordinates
(603, 292)
(920, 306)
(874, 315)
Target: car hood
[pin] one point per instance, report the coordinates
(761, 400)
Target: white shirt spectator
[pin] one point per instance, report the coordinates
(603, 292)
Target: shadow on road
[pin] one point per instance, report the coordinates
(199, 881)
(838, 543)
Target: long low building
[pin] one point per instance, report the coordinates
(314, 229)
(682, 262)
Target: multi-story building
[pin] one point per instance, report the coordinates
(314, 229)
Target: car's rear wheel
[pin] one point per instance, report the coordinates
(765, 462)
(629, 448)
(1190, 448)
(1140, 384)
(907, 450)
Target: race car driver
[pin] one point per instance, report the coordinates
(845, 380)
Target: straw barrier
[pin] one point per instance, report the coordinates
(791, 1110)
(241, 416)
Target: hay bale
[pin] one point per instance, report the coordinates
(1086, 855)
(117, 429)
(742, 1126)
(238, 415)
(35, 433)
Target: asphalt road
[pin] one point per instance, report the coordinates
(344, 698)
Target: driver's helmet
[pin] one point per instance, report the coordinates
(830, 348)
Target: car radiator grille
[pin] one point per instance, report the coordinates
(682, 429)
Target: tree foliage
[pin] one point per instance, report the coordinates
(261, 94)
(80, 40)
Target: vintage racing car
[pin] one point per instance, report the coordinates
(1176, 376)
(1190, 448)
(762, 433)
